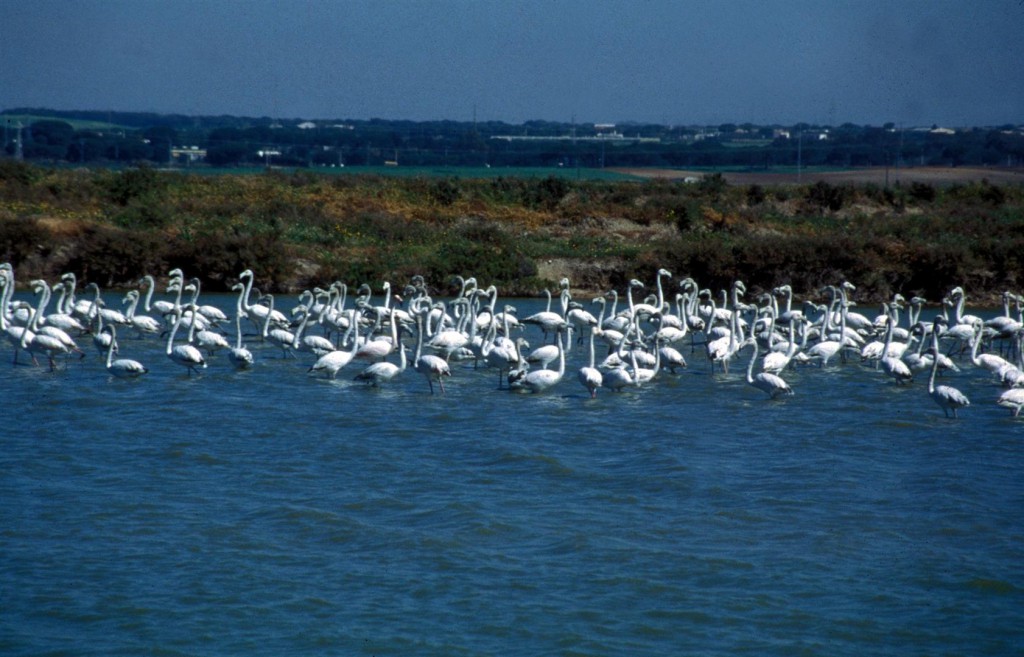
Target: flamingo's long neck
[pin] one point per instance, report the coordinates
(149, 292)
(26, 333)
(174, 330)
(134, 304)
(750, 365)
(110, 347)
(41, 310)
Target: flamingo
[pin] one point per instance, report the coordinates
(141, 323)
(893, 365)
(448, 341)
(382, 372)
(14, 333)
(279, 336)
(618, 378)
(258, 313)
(1012, 399)
(830, 345)
(162, 307)
(611, 336)
(37, 342)
(589, 376)
(659, 304)
(578, 317)
(209, 340)
(772, 384)
(957, 296)
(61, 319)
(544, 355)
(185, 354)
(671, 358)
(548, 320)
(505, 354)
(920, 360)
(430, 366)
(540, 380)
(776, 361)
(314, 344)
(68, 345)
(722, 349)
(643, 374)
(100, 339)
(947, 397)
(991, 362)
(332, 363)
(122, 368)
(239, 355)
(110, 316)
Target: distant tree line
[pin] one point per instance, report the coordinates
(225, 141)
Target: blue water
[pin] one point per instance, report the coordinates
(270, 513)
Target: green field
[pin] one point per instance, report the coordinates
(28, 119)
(483, 173)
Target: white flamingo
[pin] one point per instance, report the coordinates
(947, 397)
(239, 355)
(548, 320)
(257, 313)
(40, 343)
(279, 336)
(68, 344)
(894, 365)
(61, 319)
(722, 349)
(589, 376)
(1012, 399)
(332, 363)
(384, 371)
(143, 324)
(14, 333)
(122, 368)
(505, 354)
(311, 344)
(100, 339)
(773, 384)
(184, 354)
(541, 380)
(162, 307)
(430, 366)
(991, 362)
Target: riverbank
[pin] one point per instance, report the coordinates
(301, 229)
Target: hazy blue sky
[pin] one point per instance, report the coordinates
(951, 62)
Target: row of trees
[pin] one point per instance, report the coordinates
(233, 141)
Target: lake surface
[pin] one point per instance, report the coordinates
(271, 513)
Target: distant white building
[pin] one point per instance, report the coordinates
(306, 125)
(189, 153)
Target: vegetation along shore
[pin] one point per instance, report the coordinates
(301, 228)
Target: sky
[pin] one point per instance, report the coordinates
(673, 62)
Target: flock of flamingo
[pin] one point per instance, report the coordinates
(639, 342)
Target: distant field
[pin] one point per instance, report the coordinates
(445, 172)
(941, 176)
(28, 119)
